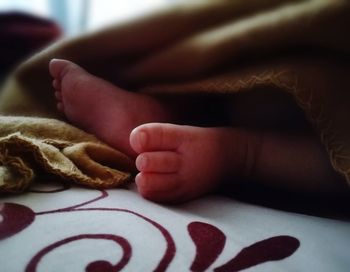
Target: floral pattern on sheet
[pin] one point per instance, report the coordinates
(208, 240)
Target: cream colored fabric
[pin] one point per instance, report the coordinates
(224, 46)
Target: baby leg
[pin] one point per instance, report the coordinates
(296, 162)
(291, 155)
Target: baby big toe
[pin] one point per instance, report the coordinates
(155, 137)
(158, 162)
(57, 67)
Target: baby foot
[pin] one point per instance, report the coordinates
(178, 163)
(101, 108)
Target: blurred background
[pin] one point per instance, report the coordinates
(27, 26)
(76, 16)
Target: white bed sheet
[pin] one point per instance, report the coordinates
(55, 228)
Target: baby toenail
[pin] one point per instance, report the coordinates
(55, 83)
(143, 138)
(60, 106)
(142, 162)
(58, 95)
(137, 179)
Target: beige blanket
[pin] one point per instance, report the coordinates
(223, 46)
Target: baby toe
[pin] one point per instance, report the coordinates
(155, 137)
(56, 84)
(60, 107)
(57, 66)
(158, 162)
(158, 187)
(58, 96)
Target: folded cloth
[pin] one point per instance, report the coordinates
(34, 146)
(218, 47)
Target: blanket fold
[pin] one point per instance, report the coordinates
(218, 47)
(34, 146)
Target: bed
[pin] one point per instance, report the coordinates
(57, 227)
(68, 201)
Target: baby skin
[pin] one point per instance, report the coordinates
(177, 163)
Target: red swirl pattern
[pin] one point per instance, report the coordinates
(209, 240)
(92, 267)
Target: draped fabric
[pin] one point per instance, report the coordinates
(217, 47)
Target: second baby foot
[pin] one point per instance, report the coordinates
(101, 108)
